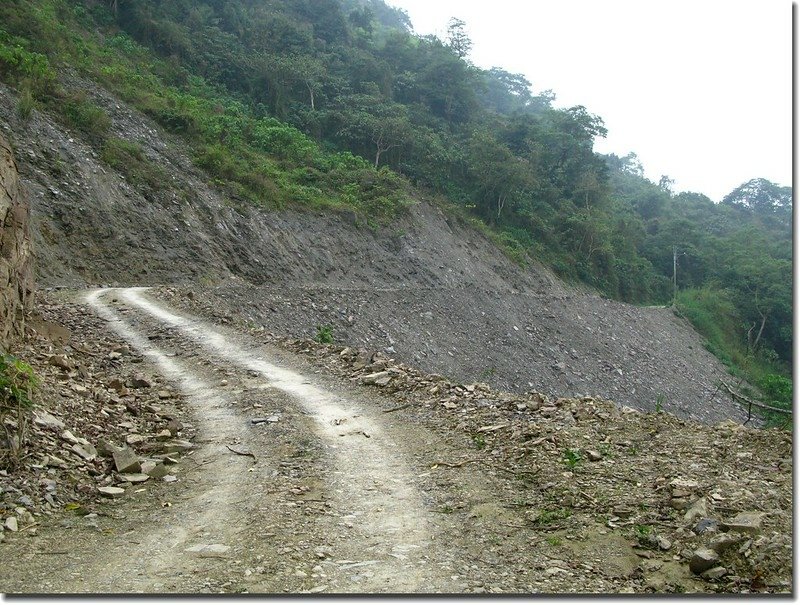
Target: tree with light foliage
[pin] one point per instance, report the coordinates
(457, 39)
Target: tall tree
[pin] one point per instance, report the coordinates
(761, 195)
(457, 39)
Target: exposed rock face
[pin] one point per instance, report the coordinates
(16, 259)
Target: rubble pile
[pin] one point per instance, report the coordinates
(717, 500)
(101, 426)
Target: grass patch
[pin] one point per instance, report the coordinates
(546, 517)
(129, 159)
(17, 382)
(324, 335)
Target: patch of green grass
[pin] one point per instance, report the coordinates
(17, 383)
(488, 373)
(128, 158)
(645, 536)
(546, 517)
(571, 458)
(324, 335)
(554, 541)
(79, 113)
(25, 104)
(643, 530)
(479, 440)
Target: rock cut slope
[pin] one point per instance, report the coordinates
(16, 260)
(428, 288)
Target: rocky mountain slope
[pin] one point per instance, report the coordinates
(428, 288)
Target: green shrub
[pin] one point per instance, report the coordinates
(18, 65)
(17, 382)
(324, 335)
(279, 139)
(777, 391)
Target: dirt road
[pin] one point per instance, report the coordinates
(366, 473)
(295, 487)
(298, 476)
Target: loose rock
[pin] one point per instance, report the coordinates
(702, 560)
(140, 381)
(715, 573)
(126, 461)
(111, 492)
(209, 550)
(748, 522)
(47, 420)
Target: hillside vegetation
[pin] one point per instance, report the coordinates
(337, 104)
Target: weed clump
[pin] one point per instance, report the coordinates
(17, 382)
(324, 335)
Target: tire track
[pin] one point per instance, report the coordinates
(162, 548)
(392, 528)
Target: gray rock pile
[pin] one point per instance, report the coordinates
(717, 500)
(101, 425)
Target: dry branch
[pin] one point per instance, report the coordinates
(748, 401)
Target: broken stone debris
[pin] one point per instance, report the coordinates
(126, 461)
(702, 560)
(111, 492)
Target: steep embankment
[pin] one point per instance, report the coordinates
(428, 288)
(16, 260)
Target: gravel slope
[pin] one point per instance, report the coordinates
(428, 287)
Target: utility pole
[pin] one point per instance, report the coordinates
(675, 256)
(674, 274)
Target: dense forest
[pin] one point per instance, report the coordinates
(338, 104)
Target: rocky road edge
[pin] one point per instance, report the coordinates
(717, 500)
(101, 426)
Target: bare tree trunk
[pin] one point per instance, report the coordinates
(750, 338)
(752, 345)
(760, 330)
(501, 202)
(311, 94)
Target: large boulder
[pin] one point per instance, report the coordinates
(16, 258)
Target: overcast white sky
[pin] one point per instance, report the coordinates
(700, 90)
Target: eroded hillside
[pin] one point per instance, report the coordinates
(428, 287)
